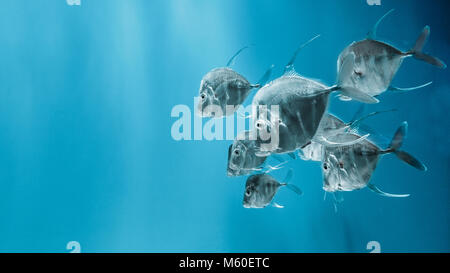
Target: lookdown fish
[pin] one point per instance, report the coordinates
(330, 126)
(260, 190)
(348, 168)
(375, 63)
(242, 158)
(301, 103)
(222, 87)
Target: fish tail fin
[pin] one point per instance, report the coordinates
(396, 144)
(294, 188)
(265, 78)
(290, 186)
(290, 65)
(417, 50)
(345, 71)
(376, 190)
(288, 177)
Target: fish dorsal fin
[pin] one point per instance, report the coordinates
(231, 61)
(358, 113)
(373, 32)
(289, 68)
(355, 122)
(291, 73)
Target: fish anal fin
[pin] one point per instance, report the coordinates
(376, 190)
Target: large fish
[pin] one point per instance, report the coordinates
(261, 188)
(375, 63)
(301, 104)
(350, 167)
(222, 90)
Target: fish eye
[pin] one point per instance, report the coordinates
(203, 96)
(248, 192)
(341, 165)
(325, 166)
(236, 152)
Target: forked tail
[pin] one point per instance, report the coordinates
(396, 144)
(417, 50)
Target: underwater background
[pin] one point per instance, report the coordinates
(86, 152)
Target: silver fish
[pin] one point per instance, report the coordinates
(330, 126)
(242, 159)
(222, 87)
(375, 63)
(350, 167)
(261, 188)
(302, 103)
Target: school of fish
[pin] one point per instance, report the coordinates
(302, 125)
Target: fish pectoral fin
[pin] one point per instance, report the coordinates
(376, 190)
(357, 94)
(400, 89)
(344, 98)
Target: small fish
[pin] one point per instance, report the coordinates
(373, 64)
(242, 159)
(222, 87)
(261, 188)
(350, 167)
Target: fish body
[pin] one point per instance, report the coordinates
(260, 190)
(376, 64)
(350, 167)
(373, 64)
(301, 102)
(220, 88)
(242, 159)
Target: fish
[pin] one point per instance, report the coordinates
(243, 158)
(301, 102)
(374, 63)
(350, 167)
(260, 190)
(330, 126)
(223, 90)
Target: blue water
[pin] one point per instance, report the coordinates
(86, 152)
